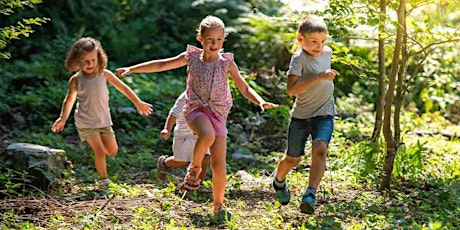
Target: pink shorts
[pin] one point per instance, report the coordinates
(220, 128)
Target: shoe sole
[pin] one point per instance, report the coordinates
(306, 208)
(191, 187)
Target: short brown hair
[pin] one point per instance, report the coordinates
(312, 24)
(82, 47)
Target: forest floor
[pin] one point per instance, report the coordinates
(422, 196)
(342, 204)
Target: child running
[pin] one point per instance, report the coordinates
(310, 79)
(92, 115)
(208, 102)
(183, 142)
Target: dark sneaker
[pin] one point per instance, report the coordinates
(308, 204)
(162, 169)
(282, 194)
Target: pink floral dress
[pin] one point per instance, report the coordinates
(207, 83)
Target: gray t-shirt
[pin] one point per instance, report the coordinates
(317, 100)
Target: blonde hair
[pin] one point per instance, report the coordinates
(312, 24)
(210, 22)
(82, 47)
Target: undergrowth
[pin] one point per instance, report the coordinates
(424, 194)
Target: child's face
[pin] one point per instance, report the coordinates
(88, 63)
(212, 39)
(312, 43)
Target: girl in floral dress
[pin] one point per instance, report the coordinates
(208, 101)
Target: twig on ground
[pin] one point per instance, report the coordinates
(107, 202)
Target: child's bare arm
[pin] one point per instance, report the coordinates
(142, 107)
(246, 90)
(154, 66)
(296, 85)
(67, 105)
(169, 123)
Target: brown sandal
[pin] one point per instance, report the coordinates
(191, 179)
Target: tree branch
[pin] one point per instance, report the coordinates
(434, 44)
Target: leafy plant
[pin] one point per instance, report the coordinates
(409, 162)
(13, 183)
(22, 28)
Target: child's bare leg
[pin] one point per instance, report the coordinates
(219, 171)
(285, 165)
(95, 142)
(171, 163)
(202, 126)
(164, 163)
(110, 145)
(204, 166)
(318, 165)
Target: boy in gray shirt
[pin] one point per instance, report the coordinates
(310, 79)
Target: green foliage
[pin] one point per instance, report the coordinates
(34, 83)
(438, 87)
(267, 7)
(9, 221)
(353, 106)
(21, 28)
(163, 32)
(347, 197)
(267, 128)
(409, 161)
(363, 159)
(357, 69)
(268, 42)
(13, 183)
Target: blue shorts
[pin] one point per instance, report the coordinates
(320, 128)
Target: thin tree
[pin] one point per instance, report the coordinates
(407, 46)
(382, 75)
(388, 134)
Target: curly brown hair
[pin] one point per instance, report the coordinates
(82, 47)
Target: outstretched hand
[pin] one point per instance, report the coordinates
(144, 108)
(121, 72)
(267, 105)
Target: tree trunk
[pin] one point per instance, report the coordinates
(401, 89)
(390, 141)
(381, 78)
(397, 105)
